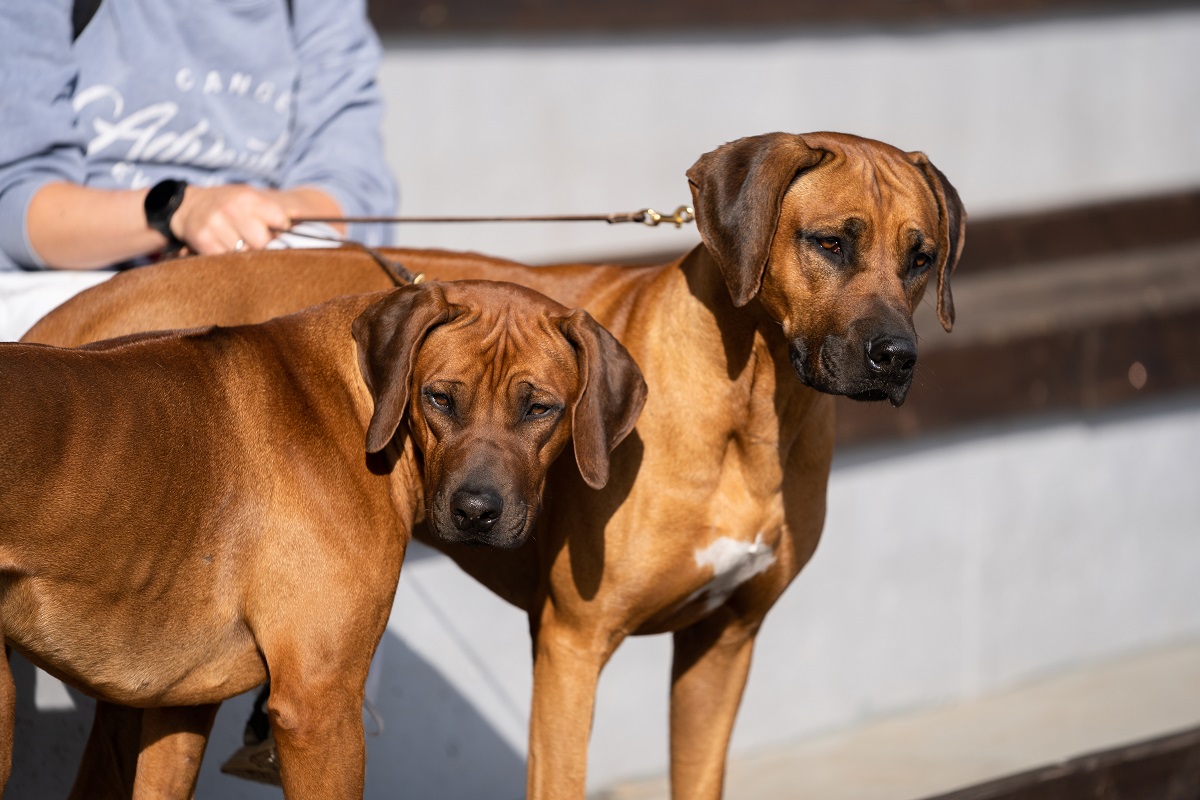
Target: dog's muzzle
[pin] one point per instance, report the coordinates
(477, 514)
(877, 368)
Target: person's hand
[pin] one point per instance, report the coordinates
(221, 219)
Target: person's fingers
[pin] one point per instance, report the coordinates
(215, 219)
(216, 235)
(254, 232)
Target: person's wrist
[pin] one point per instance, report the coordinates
(160, 205)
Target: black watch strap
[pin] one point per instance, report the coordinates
(161, 203)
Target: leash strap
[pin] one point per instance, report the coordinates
(401, 275)
(646, 216)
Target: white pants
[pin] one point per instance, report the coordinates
(25, 297)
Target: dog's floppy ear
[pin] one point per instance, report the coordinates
(952, 234)
(388, 334)
(737, 193)
(611, 395)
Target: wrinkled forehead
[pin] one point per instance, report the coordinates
(497, 347)
(873, 186)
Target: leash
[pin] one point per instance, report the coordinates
(646, 216)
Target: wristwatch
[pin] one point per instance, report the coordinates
(161, 203)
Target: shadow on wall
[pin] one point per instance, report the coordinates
(434, 744)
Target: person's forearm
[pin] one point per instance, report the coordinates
(78, 227)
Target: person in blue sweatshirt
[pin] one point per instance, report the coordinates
(198, 126)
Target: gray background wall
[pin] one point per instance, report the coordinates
(985, 557)
(1019, 116)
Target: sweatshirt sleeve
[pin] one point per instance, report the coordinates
(337, 142)
(39, 143)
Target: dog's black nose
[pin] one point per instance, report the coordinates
(475, 510)
(892, 356)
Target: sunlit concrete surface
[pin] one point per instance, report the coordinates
(910, 756)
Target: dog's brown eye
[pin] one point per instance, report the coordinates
(540, 411)
(439, 399)
(831, 244)
(921, 261)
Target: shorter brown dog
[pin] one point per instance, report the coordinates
(184, 514)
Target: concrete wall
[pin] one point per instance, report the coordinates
(982, 558)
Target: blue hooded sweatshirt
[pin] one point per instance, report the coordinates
(209, 91)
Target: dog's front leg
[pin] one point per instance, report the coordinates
(566, 669)
(317, 723)
(708, 674)
(172, 747)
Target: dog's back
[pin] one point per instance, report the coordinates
(234, 289)
(69, 413)
(151, 398)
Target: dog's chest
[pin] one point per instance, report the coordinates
(741, 528)
(726, 518)
(704, 578)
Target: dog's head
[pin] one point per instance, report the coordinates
(837, 236)
(494, 379)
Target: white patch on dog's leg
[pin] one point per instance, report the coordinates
(733, 563)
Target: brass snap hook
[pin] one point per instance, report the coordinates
(682, 214)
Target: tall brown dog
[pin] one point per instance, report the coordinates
(816, 250)
(183, 514)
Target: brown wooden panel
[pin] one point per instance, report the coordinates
(548, 16)
(1142, 223)
(1167, 768)
(1061, 371)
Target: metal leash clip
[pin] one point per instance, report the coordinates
(682, 214)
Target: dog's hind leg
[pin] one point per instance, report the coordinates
(708, 674)
(172, 746)
(110, 757)
(8, 719)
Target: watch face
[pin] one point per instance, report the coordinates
(163, 199)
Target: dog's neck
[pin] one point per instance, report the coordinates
(742, 330)
(737, 328)
(752, 344)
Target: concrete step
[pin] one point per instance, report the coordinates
(930, 752)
